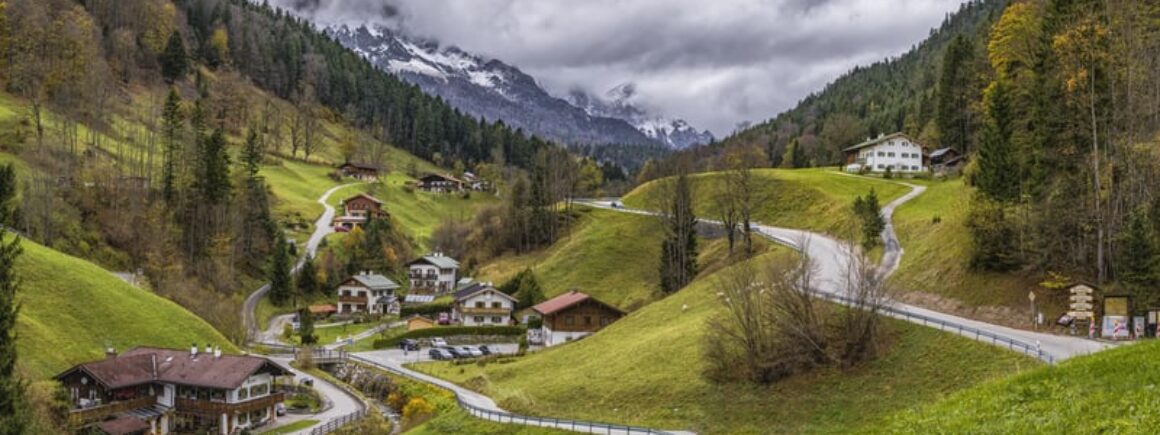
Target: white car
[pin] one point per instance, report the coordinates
(468, 350)
(438, 342)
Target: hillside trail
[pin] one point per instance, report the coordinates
(833, 259)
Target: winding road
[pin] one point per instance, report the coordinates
(832, 259)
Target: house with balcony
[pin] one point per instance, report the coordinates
(157, 391)
(482, 304)
(361, 171)
(896, 152)
(571, 316)
(368, 292)
(357, 209)
(437, 183)
(435, 273)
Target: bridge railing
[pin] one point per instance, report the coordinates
(337, 423)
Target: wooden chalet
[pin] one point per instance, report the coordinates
(361, 171)
(440, 183)
(573, 315)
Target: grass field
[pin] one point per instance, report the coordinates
(1110, 392)
(612, 256)
(812, 199)
(72, 309)
(646, 370)
(937, 255)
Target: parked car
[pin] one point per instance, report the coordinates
(470, 351)
(444, 318)
(438, 342)
(486, 350)
(280, 409)
(341, 229)
(440, 354)
(455, 352)
(409, 344)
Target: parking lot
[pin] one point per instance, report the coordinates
(396, 356)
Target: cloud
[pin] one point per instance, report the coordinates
(713, 63)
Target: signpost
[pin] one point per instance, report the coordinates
(1034, 317)
(1082, 303)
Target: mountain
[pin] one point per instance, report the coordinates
(618, 103)
(494, 90)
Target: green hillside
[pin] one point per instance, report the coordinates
(940, 251)
(812, 199)
(72, 309)
(1109, 392)
(646, 370)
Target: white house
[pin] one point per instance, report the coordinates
(435, 272)
(482, 305)
(367, 292)
(896, 152)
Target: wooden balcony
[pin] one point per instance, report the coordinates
(79, 417)
(353, 299)
(473, 311)
(213, 409)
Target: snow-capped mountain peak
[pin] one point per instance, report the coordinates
(621, 102)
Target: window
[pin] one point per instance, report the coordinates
(480, 304)
(881, 154)
(890, 154)
(243, 393)
(604, 321)
(362, 294)
(259, 390)
(497, 304)
(478, 319)
(587, 320)
(881, 166)
(496, 319)
(914, 168)
(568, 320)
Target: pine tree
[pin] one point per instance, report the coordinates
(172, 121)
(252, 154)
(174, 60)
(998, 174)
(7, 194)
(1139, 266)
(529, 292)
(869, 213)
(214, 175)
(953, 115)
(679, 248)
(308, 278)
(280, 285)
(13, 417)
(306, 327)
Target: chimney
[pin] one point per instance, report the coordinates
(217, 352)
(208, 349)
(110, 352)
(193, 351)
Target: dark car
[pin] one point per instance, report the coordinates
(455, 352)
(440, 354)
(486, 350)
(409, 344)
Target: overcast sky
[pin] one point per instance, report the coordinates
(715, 63)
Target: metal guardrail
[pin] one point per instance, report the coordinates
(511, 418)
(963, 330)
(337, 423)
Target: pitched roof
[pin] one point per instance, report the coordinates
(438, 260)
(123, 425)
(320, 309)
(939, 152)
(566, 300)
(469, 289)
(360, 165)
(364, 195)
(441, 176)
(878, 140)
(146, 364)
(374, 281)
(477, 289)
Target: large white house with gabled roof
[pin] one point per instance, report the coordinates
(435, 272)
(896, 152)
(367, 292)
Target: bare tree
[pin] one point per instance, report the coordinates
(866, 292)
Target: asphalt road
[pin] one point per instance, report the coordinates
(832, 259)
(322, 228)
(341, 403)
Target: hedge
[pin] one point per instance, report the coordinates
(449, 331)
(429, 310)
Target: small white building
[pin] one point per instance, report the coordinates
(896, 152)
(368, 292)
(435, 272)
(482, 305)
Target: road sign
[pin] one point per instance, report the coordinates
(1081, 289)
(1031, 296)
(1081, 298)
(1081, 306)
(1080, 314)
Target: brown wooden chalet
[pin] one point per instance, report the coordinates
(358, 208)
(440, 183)
(362, 171)
(154, 390)
(573, 315)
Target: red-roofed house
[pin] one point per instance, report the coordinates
(573, 315)
(173, 390)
